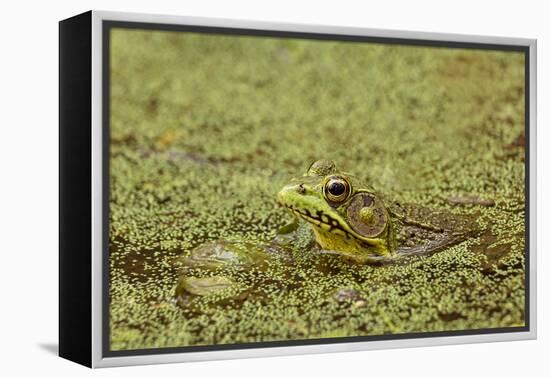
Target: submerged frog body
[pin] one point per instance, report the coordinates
(351, 219)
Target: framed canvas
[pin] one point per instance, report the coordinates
(234, 188)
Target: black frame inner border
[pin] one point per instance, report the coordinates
(108, 25)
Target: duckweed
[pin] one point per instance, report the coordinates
(205, 129)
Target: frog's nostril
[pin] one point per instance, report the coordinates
(301, 189)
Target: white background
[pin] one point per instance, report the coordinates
(28, 162)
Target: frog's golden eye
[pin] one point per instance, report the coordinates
(337, 189)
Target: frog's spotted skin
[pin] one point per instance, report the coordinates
(351, 219)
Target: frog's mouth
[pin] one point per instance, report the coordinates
(310, 208)
(318, 218)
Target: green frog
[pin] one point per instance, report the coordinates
(336, 215)
(349, 218)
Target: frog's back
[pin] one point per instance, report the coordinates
(422, 231)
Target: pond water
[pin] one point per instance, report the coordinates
(206, 129)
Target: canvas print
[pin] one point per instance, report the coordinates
(283, 189)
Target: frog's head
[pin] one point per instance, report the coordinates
(345, 215)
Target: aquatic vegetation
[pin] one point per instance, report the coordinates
(207, 129)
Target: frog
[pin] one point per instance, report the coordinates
(349, 218)
(336, 215)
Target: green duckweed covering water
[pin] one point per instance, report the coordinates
(205, 129)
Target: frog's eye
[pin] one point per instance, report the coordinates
(337, 189)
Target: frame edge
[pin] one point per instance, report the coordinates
(97, 356)
(75, 273)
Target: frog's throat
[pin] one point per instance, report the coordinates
(333, 234)
(353, 247)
